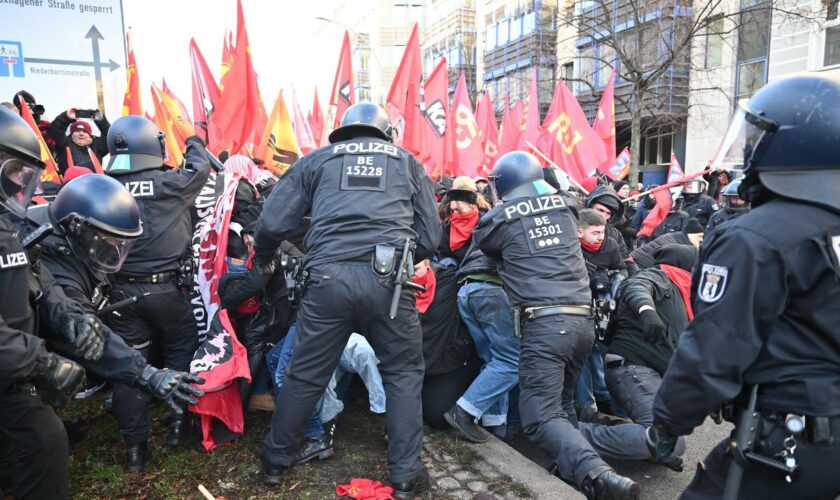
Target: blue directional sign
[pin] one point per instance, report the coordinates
(11, 59)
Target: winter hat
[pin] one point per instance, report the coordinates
(80, 125)
(693, 226)
(618, 185)
(677, 255)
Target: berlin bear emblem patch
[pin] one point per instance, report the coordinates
(712, 283)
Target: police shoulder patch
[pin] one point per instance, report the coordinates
(712, 283)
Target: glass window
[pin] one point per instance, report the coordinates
(529, 23)
(664, 148)
(651, 150)
(567, 73)
(585, 64)
(832, 45)
(753, 41)
(503, 32)
(714, 43)
(751, 77)
(491, 36)
(649, 45)
(832, 10)
(515, 28)
(606, 63)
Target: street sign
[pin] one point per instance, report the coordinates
(66, 54)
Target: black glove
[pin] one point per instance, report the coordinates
(84, 333)
(195, 138)
(60, 380)
(652, 326)
(661, 445)
(171, 386)
(266, 263)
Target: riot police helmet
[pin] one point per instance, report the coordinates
(100, 218)
(20, 162)
(135, 144)
(787, 136)
(731, 200)
(519, 174)
(695, 187)
(363, 119)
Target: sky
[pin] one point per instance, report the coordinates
(284, 46)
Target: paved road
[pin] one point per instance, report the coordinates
(657, 482)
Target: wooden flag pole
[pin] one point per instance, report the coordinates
(546, 158)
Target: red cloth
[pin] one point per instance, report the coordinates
(682, 279)
(485, 116)
(589, 184)
(73, 171)
(405, 95)
(364, 489)
(461, 227)
(657, 213)
(436, 92)
(424, 299)
(464, 151)
(590, 247)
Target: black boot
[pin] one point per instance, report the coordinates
(182, 432)
(138, 455)
(465, 423)
(610, 485)
(318, 447)
(272, 474)
(409, 489)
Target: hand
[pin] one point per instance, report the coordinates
(661, 445)
(652, 326)
(195, 138)
(71, 113)
(264, 263)
(60, 380)
(97, 115)
(84, 333)
(171, 386)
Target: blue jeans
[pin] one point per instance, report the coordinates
(277, 359)
(358, 357)
(591, 384)
(485, 309)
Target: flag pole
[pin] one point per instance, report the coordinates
(669, 185)
(546, 158)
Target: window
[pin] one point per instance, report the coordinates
(586, 68)
(753, 39)
(714, 43)
(649, 46)
(656, 149)
(529, 23)
(751, 77)
(567, 73)
(503, 32)
(832, 10)
(832, 45)
(491, 36)
(606, 64)
(515, 28)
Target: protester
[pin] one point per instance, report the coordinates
(75, 144)
(460, 208)
(604, 201)
(37, 113)
(691, 234)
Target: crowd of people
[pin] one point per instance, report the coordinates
(518, 304)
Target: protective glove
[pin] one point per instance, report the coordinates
(652, 326)
(661, 445)
(266, 263)
(60, 380)
(84, 333)
(171, 386)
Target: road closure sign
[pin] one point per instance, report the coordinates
(68, 54)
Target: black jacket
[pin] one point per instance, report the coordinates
(643, 256)
(625, 336)
(360, 193)
(766, 296)
(81, 155)
(699, 207)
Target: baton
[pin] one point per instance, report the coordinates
(745, 434)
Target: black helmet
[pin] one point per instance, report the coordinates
(695, 187)
(731, 200)
(135, 144)
(20, 162)
(363, 119)
(37, 109)
(787, 135)
(101, 220)
(518, 174)
(606, 195)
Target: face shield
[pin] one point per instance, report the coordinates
(104, 252)
(742, 139)
(695, 186)
(734, 204)
(18, 180)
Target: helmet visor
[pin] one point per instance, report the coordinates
(741, 140)
(18, 180)
(104, 252)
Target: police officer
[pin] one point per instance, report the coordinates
(767, 302)
(731, 205)
(366, 197)
(695, 202)
(534, 235)
(96, 222)
(162, 316)
(35, 432)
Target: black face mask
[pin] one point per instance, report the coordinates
(752, 190)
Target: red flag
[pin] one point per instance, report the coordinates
(316, 119)
(343, 93)
(50, 174)
(205, 94)
(132, 103)
(604, 124)
(405, 93)
(530, 128)
(657, 213)
(166, 124)
(567, 137)
(464, 153)
(240, 108)
(305, 139)
(485, 116)
(509, 132)
(675, 172)
(436, 114)
(621, 167)
(227, 54)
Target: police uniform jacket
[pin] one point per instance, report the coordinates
(718, 218)
(165, 197)
(535, 241)
(699, 207)
(360, 193)
(766, 298)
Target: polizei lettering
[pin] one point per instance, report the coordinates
(141, 189)
(11, 260)
(533, 206)
(365, 147)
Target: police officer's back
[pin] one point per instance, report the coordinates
(366, 198)
(767, 302)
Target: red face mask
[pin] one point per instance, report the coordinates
(590, 247)
(461, 227)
